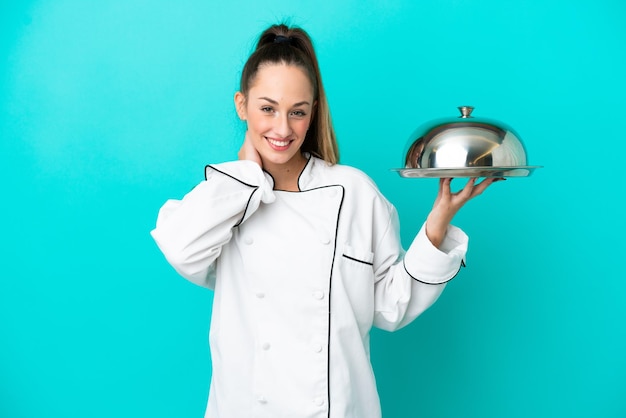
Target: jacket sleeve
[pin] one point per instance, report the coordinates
(406, 284)
(191, 232)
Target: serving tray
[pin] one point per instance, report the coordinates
(517, 171)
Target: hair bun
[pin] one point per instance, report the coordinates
(280, 39)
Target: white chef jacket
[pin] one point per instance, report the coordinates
(299, 280)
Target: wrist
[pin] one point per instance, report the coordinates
(436, 230)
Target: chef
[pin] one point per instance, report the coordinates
(303, 254)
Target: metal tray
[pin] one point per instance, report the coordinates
(518, 171)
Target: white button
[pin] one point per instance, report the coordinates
(260, 295)
(261, 399)
(248, 240)
(265, 346)
(318, 294)
(324, 239)
(317, 348)
(319, 401)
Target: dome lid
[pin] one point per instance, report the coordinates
(465, 146)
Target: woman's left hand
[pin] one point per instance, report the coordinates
(448, 204)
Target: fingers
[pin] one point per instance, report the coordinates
(444, 187)
(468, 190)
(471, 189)
(482, 186)
(248, 151)
(447, 204)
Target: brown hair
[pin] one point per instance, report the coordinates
(293, 46)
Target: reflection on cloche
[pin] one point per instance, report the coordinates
(465, 147)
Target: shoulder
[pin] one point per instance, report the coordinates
(357, 185)
(345, 175)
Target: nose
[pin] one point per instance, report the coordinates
(282, 126)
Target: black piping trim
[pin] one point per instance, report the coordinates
(330, 282)
(272, 177)
(310, 190)
(228, 175)
(357, 260)
(242, 182)
(434, 284)
(299, 176)
(303, 170)
(246, 208)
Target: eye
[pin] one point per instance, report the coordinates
(298, 113)
(267, 109)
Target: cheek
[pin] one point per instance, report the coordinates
(258, 123)
(302, 126)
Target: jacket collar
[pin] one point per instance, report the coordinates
(311, 175)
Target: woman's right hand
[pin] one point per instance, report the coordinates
(448, 204)
(248, 152)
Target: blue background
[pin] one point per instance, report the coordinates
(109, 108)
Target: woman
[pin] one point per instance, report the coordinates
(303, 254)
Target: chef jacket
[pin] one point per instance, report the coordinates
(299, 279)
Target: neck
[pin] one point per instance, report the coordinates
(286, 175)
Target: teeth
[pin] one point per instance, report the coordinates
(278, 143)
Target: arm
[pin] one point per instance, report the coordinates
(191, 232)
(409, 285)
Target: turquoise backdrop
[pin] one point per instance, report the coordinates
(109, 108)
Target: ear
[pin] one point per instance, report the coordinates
(240, 105)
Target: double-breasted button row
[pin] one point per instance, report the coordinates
(324, 238)
(318, 401)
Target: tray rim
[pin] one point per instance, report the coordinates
(440, 172)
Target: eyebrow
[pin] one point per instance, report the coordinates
(272, 101)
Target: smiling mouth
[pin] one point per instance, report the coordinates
(276, 144)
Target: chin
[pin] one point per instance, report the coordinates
(280, 158)
(277, 160)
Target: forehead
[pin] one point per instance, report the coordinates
(282, 81)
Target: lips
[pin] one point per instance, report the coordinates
(278, 145)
